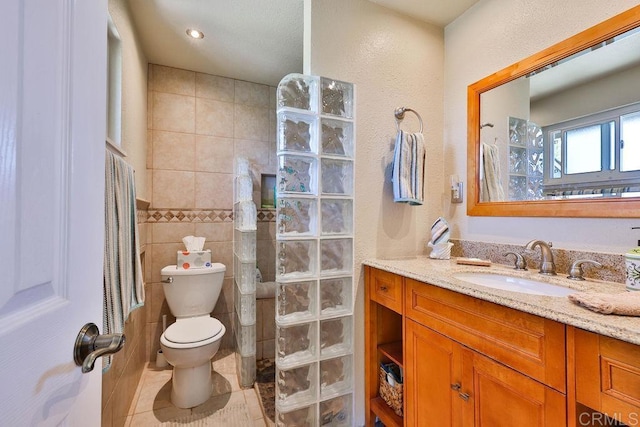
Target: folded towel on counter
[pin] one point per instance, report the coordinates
(625, 304)
(408, 168)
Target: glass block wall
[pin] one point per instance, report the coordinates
(314, 254)
(525, 160)
(244, 259)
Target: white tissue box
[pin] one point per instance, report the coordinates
(194, 259)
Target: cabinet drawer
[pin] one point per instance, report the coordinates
(386, 288)
(530, 344)
(608, 375)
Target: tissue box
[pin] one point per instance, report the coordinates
(194, 259)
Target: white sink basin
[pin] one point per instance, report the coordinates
(514, 284)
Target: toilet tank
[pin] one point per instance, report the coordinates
(194, 291)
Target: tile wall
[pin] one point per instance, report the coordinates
(265, 328)
(197, 125)
(119, 383)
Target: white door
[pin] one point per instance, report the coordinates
(52, 127)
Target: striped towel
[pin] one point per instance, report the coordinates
(408, 168)
(123, 283)
(491, 185)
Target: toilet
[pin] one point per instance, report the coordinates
(190, 343)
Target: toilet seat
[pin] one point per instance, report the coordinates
(193, 332)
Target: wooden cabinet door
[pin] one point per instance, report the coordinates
(432, 374)
(502, 397)
(607, 375)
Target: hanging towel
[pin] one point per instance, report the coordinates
(123, 283)
(625, 304)
(491, 177)
(408, 168)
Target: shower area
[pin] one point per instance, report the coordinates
(305, 369)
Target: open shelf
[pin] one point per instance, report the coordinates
(393, 351)
(385, 413)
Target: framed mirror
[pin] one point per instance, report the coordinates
(558, 133)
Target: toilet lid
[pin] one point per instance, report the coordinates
(193, 330)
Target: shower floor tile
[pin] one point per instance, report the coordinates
(266, 388)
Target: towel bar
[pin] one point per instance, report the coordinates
(399, 113)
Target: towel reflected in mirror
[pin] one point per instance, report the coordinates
(490, 175)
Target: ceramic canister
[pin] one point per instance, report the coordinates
(632, 262)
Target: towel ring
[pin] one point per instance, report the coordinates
(399, 113)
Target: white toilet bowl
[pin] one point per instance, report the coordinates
(189, 345)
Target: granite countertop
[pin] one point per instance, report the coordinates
(441, 273)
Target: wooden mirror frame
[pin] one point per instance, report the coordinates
(594, 208)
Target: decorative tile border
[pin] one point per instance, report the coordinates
(200, 215)
(186, 215)
(613, 269)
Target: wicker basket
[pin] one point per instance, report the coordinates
(391, 394)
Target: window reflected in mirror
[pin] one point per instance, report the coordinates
(568, 130)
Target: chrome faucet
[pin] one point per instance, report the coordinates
(547, 266)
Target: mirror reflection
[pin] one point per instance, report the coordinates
(568, 130)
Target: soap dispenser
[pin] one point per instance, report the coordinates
(632, 264)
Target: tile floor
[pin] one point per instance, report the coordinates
(152, 404)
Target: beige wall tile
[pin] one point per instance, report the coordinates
(173, 190)
(172, 232)
(251, 122)
(213, 190)
(149, 173)
(253, 94)
(214, 87)
(176, 113)
(259, 155)
(149, 149)
(269, 319)
(273, 127)
(163, 254)
(222, 252)
(158, 305)
(214, 154)
(268, 349)
(173, 150)
(215, 231)
(225, 300)
(214, 118)
(259, 350)
(265, 258)
(259, 309)
(266, 230)
(150, 96)
(173, 80)
(228, 340)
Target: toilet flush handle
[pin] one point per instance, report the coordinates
(168, 280)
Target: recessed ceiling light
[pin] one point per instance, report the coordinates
(195, 33)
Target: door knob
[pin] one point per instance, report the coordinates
(90, 345)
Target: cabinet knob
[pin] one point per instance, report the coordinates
(455, 387)
(464, 396)
(384, 288)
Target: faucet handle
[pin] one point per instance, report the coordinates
(576, 272)
(520, 263)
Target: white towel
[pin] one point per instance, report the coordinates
(123, 283)
(408, 168)
(491, 185)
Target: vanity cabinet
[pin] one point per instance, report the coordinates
(470, 362)
(473, 363)
(383, 339)
(607, 378)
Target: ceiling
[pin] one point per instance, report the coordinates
(254, 40)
